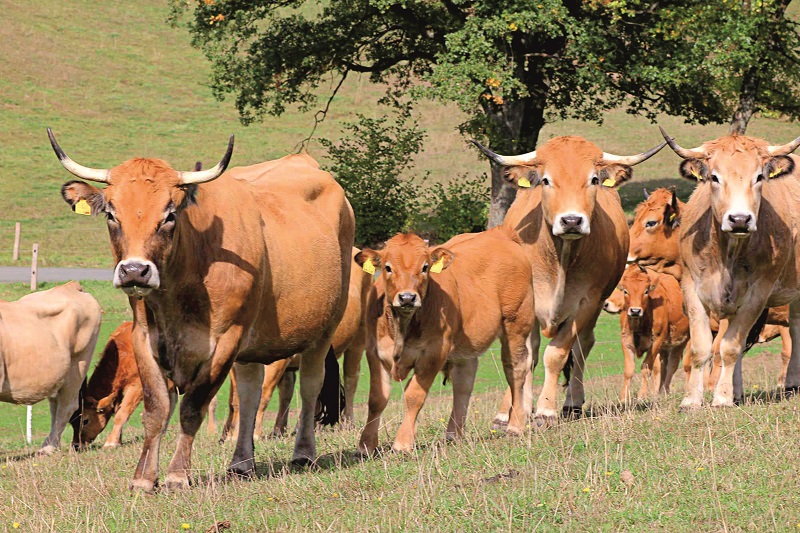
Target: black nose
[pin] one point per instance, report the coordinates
(571, 221)
(134, 274)
(739, 222)
(407, 298)
(634, 311)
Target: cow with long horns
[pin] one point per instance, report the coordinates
(568, 216)
(739, 247)
(222, 269)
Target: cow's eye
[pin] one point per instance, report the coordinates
(595, 180)
(85, 421)
(714, 178)
(388, 269)
(646, 291)
(759, 178)
(169, 219)
(651, 224)
(545, 181)
(110, 216)
(624, 291)
(425, 268)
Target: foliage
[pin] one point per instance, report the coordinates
(460, 206)
(369, 163)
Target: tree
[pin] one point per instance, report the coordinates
(512, 64)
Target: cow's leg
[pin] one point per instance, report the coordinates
(463, 377)
(733, 343)
(648, 387)
(673, 359)
(687, 361)
(555, 357)
(573, 405)
(285, 393)
(738, 384)
(312, 374)
(629, 366)
(131, 398)
(532, 343)
(211, 423)
(716, 364)
(351, 361)
(231, 427)
(517, 358)
(700, 341)
(414, 396)
(249, 380)
(786, 353)
(792, 383)
(272, 375)
(380, 386)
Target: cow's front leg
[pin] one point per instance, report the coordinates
(463, 377)
(249, 381)
(131, 398)
(312, 375)
(415, 394)
(156, 400)
(585, 321)
(555, 357)
(700, 342)
(792, 383)
(194, 405)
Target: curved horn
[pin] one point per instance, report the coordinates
(92, 174)
(506, 160)
(631, 160)
(643, 269)
(787, 148)
(204, 176)
(693, 153)
(646, 194)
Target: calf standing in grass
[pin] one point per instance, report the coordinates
(438, 309)
(652, 321)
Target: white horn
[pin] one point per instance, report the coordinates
(693, 153)
(787, 148)
(631, 160)
(92, 174)
(204, 176)
(506, 160)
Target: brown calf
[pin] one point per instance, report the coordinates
(437, 310)
(652, 321)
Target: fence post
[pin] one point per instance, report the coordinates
(28, 425)
(17, 231)
(35, 267)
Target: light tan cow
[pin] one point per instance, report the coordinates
(739, 248)
(575, 235)
(246, 267)
(47, 340)
(438, 309)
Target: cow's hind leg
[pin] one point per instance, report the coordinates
(249, 381)
(312, 375)
(532, 344)
(231, 427)
(792, 383)
(65, 403)
(272, 375)
(463, 377)
(285, 393)
(351, 362)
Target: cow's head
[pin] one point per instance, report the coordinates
(570, 171)
(736, 166)
(654, 235)
(636, 286)
(91, 421)
(613, 304)
(405, 264)
(142, 201)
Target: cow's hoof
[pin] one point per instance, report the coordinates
(302, 461)
(544, 422)
(572, 412)
(241, 472)
(500, 422)
(176, 482)
(514, 432)
(738, 400)
(111, 445)
(788, 392)
(400, 447)
(143, 485)
(721, 401)
(46, 450)
(689, 404)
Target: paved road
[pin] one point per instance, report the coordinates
(56, 275)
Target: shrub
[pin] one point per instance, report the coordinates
(460, 206)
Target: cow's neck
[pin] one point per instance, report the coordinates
(731, 249)
(399, 324)
(566, 251)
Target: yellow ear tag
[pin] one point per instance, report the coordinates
(368, 267)
(697, 176)
(82, 207)
(522, 182)
(437, 267)
(672, 217)
(775, 172)
(610, 182)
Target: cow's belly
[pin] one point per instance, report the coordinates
(33, 371)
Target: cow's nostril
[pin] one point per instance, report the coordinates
(145, 271)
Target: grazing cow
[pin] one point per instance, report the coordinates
(575, 235)
(47, 340)
(349, 341)
(739, 248)
(220, 269)
(437, 310)
(651, 321)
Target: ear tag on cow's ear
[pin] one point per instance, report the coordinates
(672, 217)
(697, 176)
(437, 267)
(83, 208)
(368, 267)
(776, 172)
(522, 182)
(609, 182)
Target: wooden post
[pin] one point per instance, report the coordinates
(29, 425)
(17, 231)
(35, 267)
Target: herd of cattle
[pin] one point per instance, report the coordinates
(252, 273)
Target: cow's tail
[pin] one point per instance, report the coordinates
(331, 397)
(568, 368)
(755, 331)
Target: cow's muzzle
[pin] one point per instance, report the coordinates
(635, 312)
(740, 224)
(571, 226)
(136, 277)
(407, 301)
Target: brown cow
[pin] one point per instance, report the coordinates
(437, 310)
(349, 341)
(575, 235)
(47, 341)
(651, 321)
(739, 248)
(220, 269)
(613, 304)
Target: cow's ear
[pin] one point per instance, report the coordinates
(522, 177)
(104, 404)
(441, 258)
(75, 191)
(779, 166)
(694, 169)
(613, 175)
(369, 260)
(672, 216)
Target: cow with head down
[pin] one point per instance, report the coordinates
(219, 269)
(568, 216)
(739, 248)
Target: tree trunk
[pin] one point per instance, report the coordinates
(747, 101)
